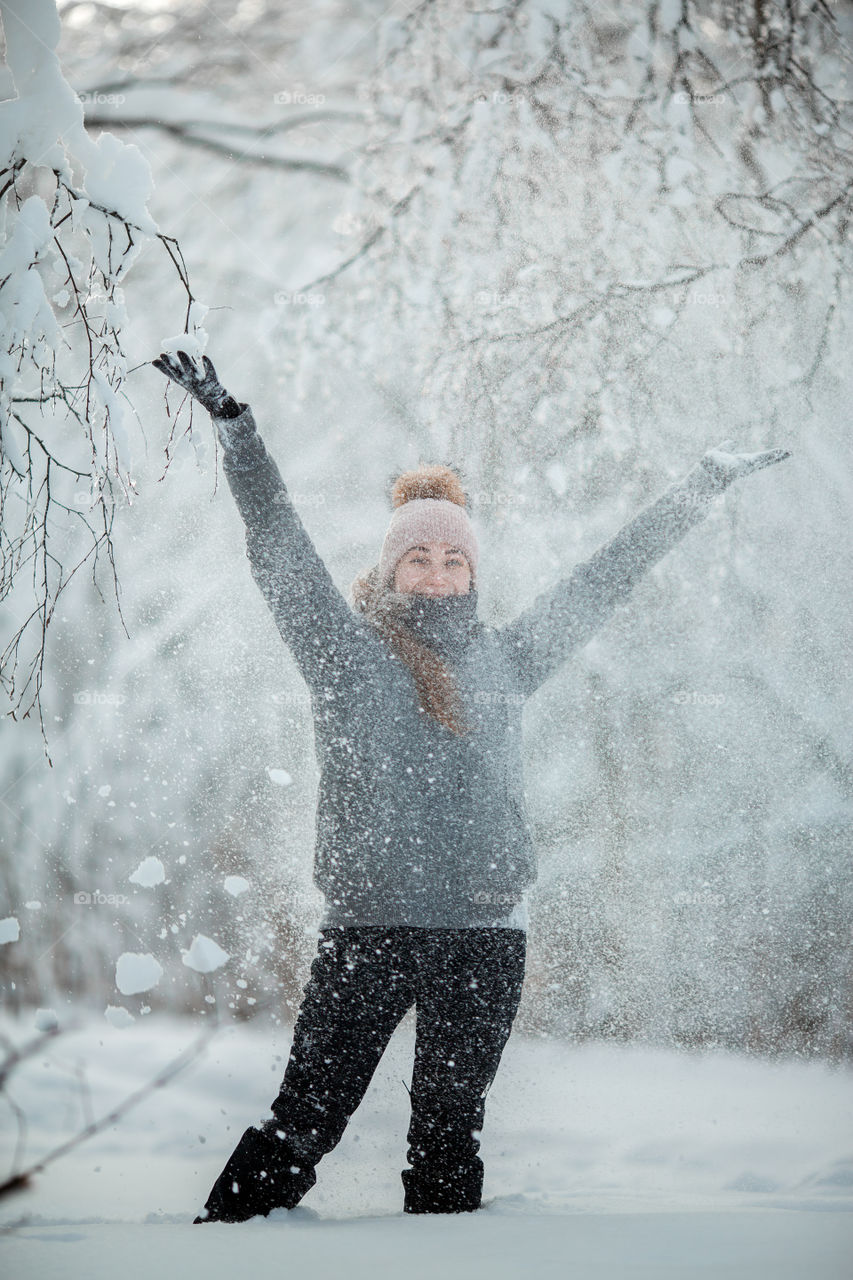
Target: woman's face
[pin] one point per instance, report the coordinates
(433, 569)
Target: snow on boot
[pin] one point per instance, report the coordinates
(443, 1191)
(262, 1174)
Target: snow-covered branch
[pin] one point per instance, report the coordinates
(21, 1178)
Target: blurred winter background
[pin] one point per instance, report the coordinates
(566, 248)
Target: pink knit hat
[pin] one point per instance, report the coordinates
(428, 507)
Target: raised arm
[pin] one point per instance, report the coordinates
(312, 616)
(567, 615)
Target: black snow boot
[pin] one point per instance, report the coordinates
(262, 1174)
(443, 1190)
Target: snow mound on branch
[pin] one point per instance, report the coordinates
(106, 185)
(45, 122)
(194, 342)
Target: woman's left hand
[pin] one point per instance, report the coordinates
(724, 465)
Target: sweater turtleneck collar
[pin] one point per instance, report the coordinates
(444, 623)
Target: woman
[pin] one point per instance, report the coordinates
(423, 848)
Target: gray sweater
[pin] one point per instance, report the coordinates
(415, 824)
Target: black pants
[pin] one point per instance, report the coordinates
(465, 985)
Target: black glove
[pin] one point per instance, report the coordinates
(206, 388)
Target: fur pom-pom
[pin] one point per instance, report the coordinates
(428, 482)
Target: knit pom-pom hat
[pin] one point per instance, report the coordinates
(429, 506)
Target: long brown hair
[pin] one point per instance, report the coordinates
(434, 680)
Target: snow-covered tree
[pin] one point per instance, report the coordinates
(73, 209)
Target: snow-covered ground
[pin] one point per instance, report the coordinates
(601, 1161)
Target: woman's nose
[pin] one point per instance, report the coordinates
(434, 580)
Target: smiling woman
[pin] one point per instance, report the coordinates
(417, 561)
(423, 852)
(429, 508)
(434, 569)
